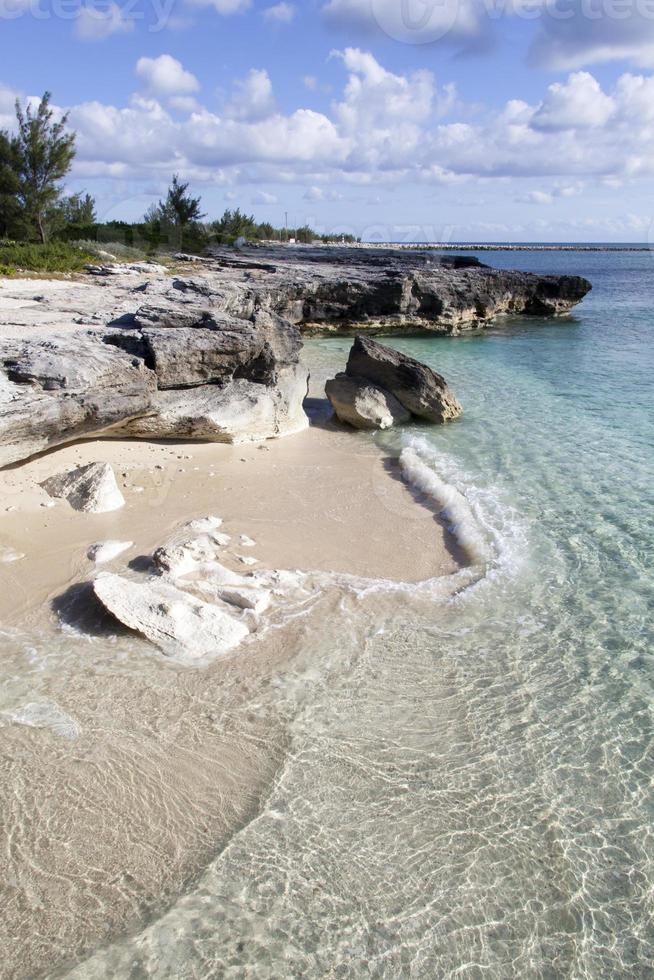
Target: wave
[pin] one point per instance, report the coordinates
(450, 504)
(487, 528)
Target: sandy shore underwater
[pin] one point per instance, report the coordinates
(127, 773)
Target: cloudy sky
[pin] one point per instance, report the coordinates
(519, 120)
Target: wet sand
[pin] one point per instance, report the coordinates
(322, 500)
(104, 829)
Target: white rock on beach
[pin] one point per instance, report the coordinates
(91, 489)
(247, 560)
(180, 625)
(204, 525)
(258, 600)
(106, 551)
(184, 556)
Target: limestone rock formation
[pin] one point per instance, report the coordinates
(244, 411)
(92, 489)
(364, 405)
(56, 389)
(181, 625)
(420, 390)
(133, 349)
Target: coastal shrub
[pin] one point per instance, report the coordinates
(33, 257)
(100, 250)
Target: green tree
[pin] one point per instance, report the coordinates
(234, 225)
(72, 217)
(153, 229)
(180, 209)
(78, 209)
(46, 153)
(11, 224)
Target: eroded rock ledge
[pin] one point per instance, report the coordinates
(142, 352)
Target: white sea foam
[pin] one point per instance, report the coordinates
(485, 525)
(44, 714)
(451, 504)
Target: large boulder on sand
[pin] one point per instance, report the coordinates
(420, 390)
(244, 411)
(179, 624)
(92, 489)
(364, 405)
(59, 388)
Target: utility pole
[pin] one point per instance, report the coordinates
(286, 224)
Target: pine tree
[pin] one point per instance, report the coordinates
(11, 225)
(46, 152)
(180, 209)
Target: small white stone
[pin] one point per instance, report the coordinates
(255, 599)
(247, 560)
(108, 550)
(205, 524)
(92, 489)
(247, 542)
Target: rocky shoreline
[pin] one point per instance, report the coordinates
(142, 352)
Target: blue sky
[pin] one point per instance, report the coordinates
(394, 119)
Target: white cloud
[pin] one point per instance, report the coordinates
(578, 103)
(253, 97)
(317, 194)
(263, 197)
(384, 130)
(166, 75)
(96, 24)
(536, 197)
(280, 13)
(184, 103)
(594, 33)
(223, 7)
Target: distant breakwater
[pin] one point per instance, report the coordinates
(506, 247)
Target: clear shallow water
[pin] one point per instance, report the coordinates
(468, 786)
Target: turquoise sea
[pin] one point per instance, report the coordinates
(467, 787)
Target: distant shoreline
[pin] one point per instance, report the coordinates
(495, 247)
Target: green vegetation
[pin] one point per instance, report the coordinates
(43, 230)
(33, 257)
(234, 225)
(44, 153)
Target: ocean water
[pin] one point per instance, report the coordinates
(465, 788)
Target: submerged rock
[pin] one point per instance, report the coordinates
(179, 624)
(106, 551)
(91, 489)
(364, 405)
(420, 390)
